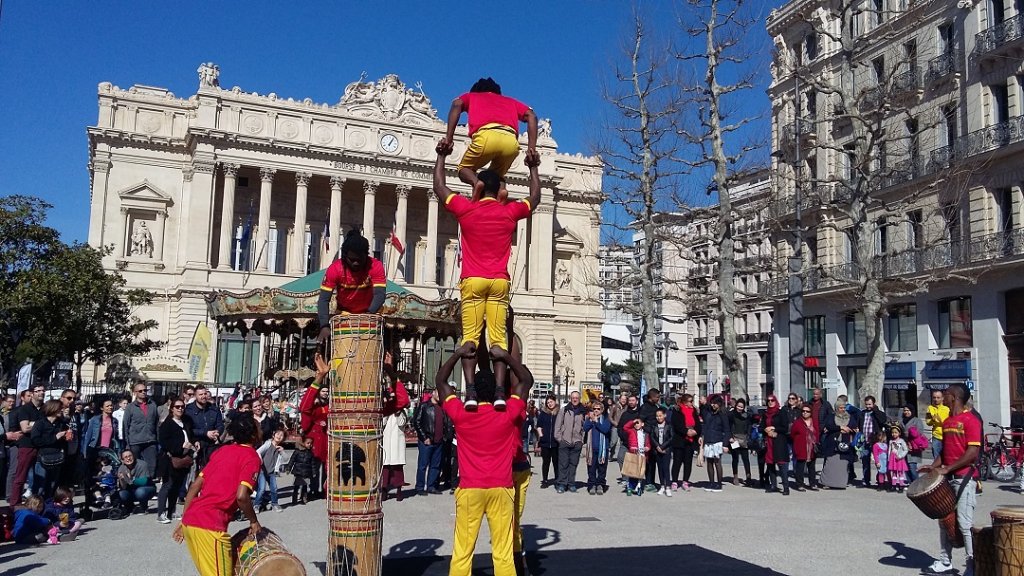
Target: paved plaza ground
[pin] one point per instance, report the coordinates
(740, 531)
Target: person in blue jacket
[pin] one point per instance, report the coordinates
(597, 429)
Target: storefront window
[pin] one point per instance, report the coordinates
(955, 326)
(814, 336)
(856, 339)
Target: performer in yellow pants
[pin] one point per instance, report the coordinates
(210, 551)
(521, 478)
(471, 505)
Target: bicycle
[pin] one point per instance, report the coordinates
(1001, 459)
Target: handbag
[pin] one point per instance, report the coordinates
(742, 440)
(181, 462)
(634, 465)
(52, 459)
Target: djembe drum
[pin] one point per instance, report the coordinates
(1008, 534)
(984, 551)
(264, 555)
(934, 495)
(354, 425)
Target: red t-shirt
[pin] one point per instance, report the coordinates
(490, 108)
(488, 440)
(355, 289)
(488, 227)
(230, 466)
(959, 432)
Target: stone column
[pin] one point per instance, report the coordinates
(369, 195)
(158, 235)
(334, 227)
(124, 227)
(98, 205)
(263, 225)
(401, 216)
(298, 259)
(227, 217)
(199, 231)
(430, 254)
(541, 251)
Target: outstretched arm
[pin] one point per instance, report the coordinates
(454, 113)
(531, 129)
(441, 189)
(445, 372)
(532, 161)
(523, 375)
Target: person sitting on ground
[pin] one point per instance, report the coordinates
(60, 511)
(134, 483)
(493, 130)
(31, 527)
(488, 228)
(223, 488)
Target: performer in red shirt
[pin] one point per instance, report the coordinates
(356, 277)
(488, 441)
(961, 442)
(493, 130)
(488, 227)
(223, 487)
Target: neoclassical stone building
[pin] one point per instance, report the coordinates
(232, 190)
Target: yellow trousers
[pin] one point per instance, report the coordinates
(492, 143)
(520, 481)
(471, 505)
(210, 551)
(485, 299)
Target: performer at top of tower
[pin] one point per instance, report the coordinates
(488, 227)
(493, 129)
(356, 277)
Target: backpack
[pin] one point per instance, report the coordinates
(918, 443)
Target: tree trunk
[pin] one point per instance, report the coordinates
(79, 362)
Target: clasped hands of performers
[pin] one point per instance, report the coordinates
(469, 350)
(445, 147)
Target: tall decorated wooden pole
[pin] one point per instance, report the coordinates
(354, 446)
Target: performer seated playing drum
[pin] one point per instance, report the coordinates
(493, 129)
(356, 277)
(488, 442)
(223, 487)
(488, 227)
(961, 442)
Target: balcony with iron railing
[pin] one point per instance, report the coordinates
(942, 66)
(806, 127)
(903, 172)
(1000, 36)
(905, 83)
(700, 341)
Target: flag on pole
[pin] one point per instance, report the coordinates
(246, 243)
(327, 239)
(397, 242)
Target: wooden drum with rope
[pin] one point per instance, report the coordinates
(265, 555)
(1008, 534)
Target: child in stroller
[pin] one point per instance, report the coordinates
(101, 493)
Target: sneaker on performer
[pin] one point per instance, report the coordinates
(940, 567)
(470, 403)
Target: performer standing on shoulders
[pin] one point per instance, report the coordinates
(488, 441)
(493, 129)
(961, 442)
(357, 278)
(488, 227)
(223, 487)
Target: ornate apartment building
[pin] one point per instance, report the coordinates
(232, 190)
(945, 83)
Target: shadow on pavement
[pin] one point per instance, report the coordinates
(23, 569)
(592, 562)
(904, 556)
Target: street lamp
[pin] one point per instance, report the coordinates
(666, 344)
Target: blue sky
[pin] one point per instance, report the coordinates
(552, 55)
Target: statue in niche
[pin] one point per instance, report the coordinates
(563, 276)
(563, 366)
(142, 241)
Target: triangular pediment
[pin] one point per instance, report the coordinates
(567, 241)
(144, 193)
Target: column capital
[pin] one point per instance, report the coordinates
(302, 178)
(548, 208)
(431, 197)
(337, 181)
(203, 166)
(187, 174)
(403, 190)
(267, 174)
(229, 169)
(99, 165)
(370, 187)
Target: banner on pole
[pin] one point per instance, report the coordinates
(199, 352)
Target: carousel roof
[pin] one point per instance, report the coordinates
(294, 304)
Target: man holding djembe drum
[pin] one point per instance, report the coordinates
(961, 442)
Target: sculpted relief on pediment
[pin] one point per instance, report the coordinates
(389, 99)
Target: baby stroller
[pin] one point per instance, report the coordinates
(101, 493)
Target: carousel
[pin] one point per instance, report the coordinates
(285, 319)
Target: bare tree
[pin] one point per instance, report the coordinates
(638, 145)
(850, 94)
(727, 71)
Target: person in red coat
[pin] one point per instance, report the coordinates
(314, 408)
(776, 430)
(805, 436)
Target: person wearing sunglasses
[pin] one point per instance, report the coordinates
(776, 430)
(141, 420)
(804, 435)
(178, 450)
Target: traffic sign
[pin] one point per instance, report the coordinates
(970, 385)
